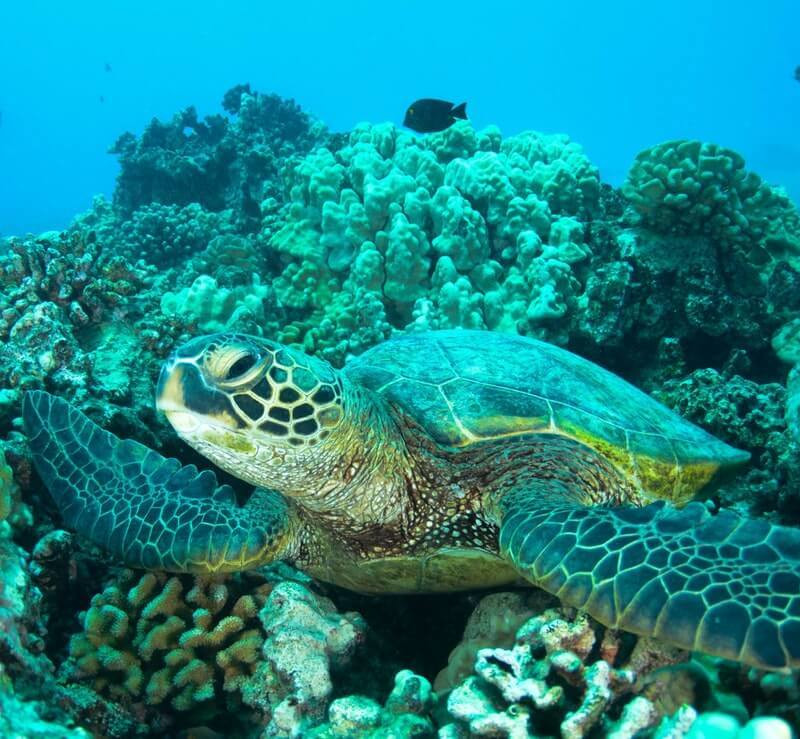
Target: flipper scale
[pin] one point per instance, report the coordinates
(736, 593)
(144, 508)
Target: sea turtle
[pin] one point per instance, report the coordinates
(437, 462)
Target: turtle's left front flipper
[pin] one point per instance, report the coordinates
(148, 510)
(720, 584)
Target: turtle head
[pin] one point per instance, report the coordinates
(264, 412)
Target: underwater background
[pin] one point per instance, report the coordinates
(617, 77)
(625, 186)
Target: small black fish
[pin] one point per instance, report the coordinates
(428, 115)
(107, 67)
(797, 74)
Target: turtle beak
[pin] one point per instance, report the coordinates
(169, 390)
(189, 402)
(170, 398)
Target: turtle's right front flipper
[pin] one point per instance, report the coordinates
(148, 510)
(720, 584)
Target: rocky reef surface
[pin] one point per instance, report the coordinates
(685, 281)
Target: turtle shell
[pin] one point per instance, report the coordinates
(465, 387)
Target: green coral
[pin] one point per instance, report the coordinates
(158, 234)
(695, 188)
(458, 229)
(159, 640)
(213, 308)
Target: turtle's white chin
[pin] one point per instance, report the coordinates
(183, 421)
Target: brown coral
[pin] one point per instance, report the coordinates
(156, 639)
(70, 270)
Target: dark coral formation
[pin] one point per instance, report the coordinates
(686, 281)
(219, 162)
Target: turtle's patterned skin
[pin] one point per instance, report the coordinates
(439, 461)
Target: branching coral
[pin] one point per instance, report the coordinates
(559, 673)
(493, 623)
(566, 676)
(154, 639)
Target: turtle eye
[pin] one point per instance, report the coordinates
(243, 364)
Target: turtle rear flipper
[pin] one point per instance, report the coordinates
(720, 584)
(148, 510)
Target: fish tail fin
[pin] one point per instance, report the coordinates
(459, 111)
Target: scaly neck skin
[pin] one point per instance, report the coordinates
(357, 475)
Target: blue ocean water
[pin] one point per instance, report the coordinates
(617, 77)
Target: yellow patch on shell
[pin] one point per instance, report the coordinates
(513, 426)
(659, 479)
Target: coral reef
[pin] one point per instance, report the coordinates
(305, 639)
(20, 719)
(521, 691)
(207, 646)
(152, 639)
(459, 229)
(750, 416)
(493, 623)
(21, 642)
(9, 490)
(406, 713)
(85, 279)
(218, 162)
(214, 308)
(695, 188)
(565, 676)
(685, 281)
(687, 724)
